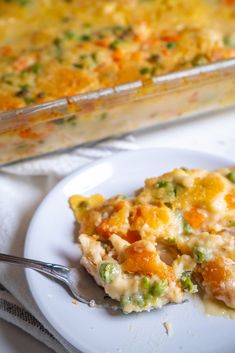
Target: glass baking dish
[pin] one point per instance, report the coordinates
(75, 120)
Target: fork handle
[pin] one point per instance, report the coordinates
(57, 271)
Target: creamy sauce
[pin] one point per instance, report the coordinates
(215, 307)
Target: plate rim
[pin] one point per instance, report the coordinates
(64, 181)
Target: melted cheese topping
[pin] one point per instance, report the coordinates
(51, 49)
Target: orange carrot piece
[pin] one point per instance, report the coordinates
(132, 236)
(117, 55)
(6, 51)
(140, 259)
(30, 134)
(194, 217)
(230, 199)
(102, 43)
(170, 38)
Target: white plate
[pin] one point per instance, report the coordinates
(91, 330)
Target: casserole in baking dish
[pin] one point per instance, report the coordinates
(71, 72)
(53, 49)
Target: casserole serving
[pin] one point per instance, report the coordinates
(147, 250)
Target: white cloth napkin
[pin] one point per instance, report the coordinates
(22, 187)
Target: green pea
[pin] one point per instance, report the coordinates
(114, 45)
(187, 228)
(171, 45)
(78, 65)
(69, 35)
(36, 68)
(165, 190)
(138, 299)
(231, 223)
(85, 37)
(29, 100)
(200, 255)
(125, 301)
(109, 271)
(162, 184)
(231, 177)
(117, 29)
(159, 288)
(144, 70)
(148, 299)
(187, 283)
(145, 283)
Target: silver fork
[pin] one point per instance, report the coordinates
(82, 286)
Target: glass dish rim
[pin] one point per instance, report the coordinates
(61, 104)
